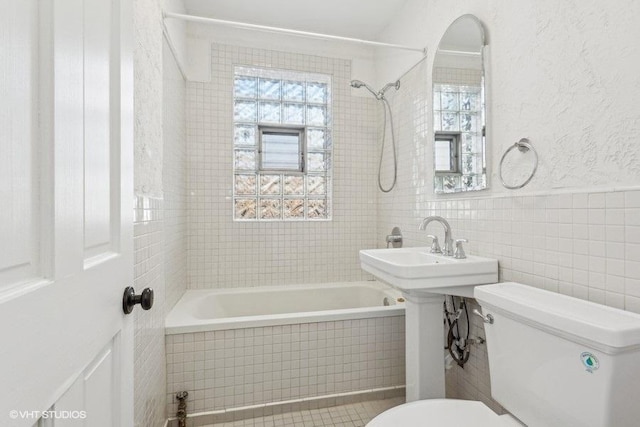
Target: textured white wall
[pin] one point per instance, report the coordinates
(147, 61)
(563, 74)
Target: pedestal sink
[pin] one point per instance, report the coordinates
(424, 278)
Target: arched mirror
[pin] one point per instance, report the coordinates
(459, 115)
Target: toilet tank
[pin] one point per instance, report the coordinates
(559, 361)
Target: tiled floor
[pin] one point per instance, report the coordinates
(352, 415)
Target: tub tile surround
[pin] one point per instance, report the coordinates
(253, 366)
(224, 253)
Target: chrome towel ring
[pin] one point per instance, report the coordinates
(524, 146)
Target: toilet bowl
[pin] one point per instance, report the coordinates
(554, 360)
(442, 412)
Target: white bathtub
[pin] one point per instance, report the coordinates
(223, 309)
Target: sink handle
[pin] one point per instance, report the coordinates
(459, 253)
(435, 246)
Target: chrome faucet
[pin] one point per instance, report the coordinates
(448, 240)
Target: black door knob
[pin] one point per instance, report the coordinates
(130, 299)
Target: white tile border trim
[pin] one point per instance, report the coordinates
(286, 402)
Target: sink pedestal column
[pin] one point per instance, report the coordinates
(424, 346)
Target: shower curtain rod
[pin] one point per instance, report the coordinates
(244, 25)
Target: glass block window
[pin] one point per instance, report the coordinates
(457, 120)
(282, 147)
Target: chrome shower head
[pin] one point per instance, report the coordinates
(357, 84)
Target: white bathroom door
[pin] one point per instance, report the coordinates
(66, 205)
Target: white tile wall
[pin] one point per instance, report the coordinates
(576, 242)
(160, 252)
(227, 254)
(174, 179)
(149, 361)
(237, 368)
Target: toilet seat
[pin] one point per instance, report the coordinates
(441, 412)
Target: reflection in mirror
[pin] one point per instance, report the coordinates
(459, 108)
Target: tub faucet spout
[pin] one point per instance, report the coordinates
(448, 240)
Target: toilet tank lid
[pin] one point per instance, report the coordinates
(603, 327)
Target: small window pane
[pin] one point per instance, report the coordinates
(469, 165)
(469, 101)
(468, 123)
(270, 112)
(293, 114)
(270, 185)
(245, 209)
(317, 139)
(245, 160)
(316, 162)
(293, 91)
(269, 89)
(244, 135)
(468, 143)
(244, 111)
(317, 209)
(450, 121)
(294, 185)
(316, 185)
(450, 183)
(316, 115)
(270, 209)
(450, 101)
(245, 87)
(317, 93)
(281, 150)
(245, 184)
(294, 208)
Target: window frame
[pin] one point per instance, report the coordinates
(284, 130)
(454, 149)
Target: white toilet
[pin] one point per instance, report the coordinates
(555, 361)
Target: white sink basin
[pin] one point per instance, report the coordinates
(416, 270)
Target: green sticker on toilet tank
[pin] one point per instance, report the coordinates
(590, 361)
